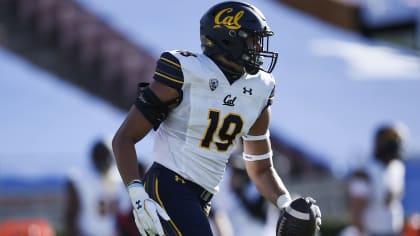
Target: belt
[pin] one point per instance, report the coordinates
(203, 194)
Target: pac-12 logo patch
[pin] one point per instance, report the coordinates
(213, 84)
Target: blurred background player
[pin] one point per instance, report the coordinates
(376, 190)
(241, 200)
(94, 195)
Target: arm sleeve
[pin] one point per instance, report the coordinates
(169, 71)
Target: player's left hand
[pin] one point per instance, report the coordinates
(301, 217)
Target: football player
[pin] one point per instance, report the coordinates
(93, 195)
(201, 105)
(376, 191)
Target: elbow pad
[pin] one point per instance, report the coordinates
(153, 109)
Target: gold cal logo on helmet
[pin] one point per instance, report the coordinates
(229, 21)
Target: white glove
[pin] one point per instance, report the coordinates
(146, 211)
(317, 212)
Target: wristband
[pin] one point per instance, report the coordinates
(250, 157)
(256, 137)
(135, 183)
(283, 200)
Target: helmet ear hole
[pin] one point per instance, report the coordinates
(243, 34)
(232, 33)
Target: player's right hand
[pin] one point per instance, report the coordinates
(146, 211)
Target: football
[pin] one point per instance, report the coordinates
(298, 219)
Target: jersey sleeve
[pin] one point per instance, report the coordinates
(271, 97)
(169, 71)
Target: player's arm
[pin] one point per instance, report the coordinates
(151, 107)
(72, 209)
(359, 191)
(134, 128)
(144, 115)
(259, 164)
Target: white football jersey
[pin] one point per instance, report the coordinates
(384, 213)
(199, 135)
(99, 200)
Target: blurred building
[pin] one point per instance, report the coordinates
(63, 37)
(393, 20)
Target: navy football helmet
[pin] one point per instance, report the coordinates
(239, 32)
(388, 142)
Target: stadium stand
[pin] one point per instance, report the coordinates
(342, 13)
(68, 40)
(394, 20)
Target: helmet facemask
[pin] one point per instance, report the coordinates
(249, 50)
(256, 55)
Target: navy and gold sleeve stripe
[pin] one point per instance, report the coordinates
(271, 97)
(168, 71)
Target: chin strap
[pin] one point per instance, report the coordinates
(251, 70)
